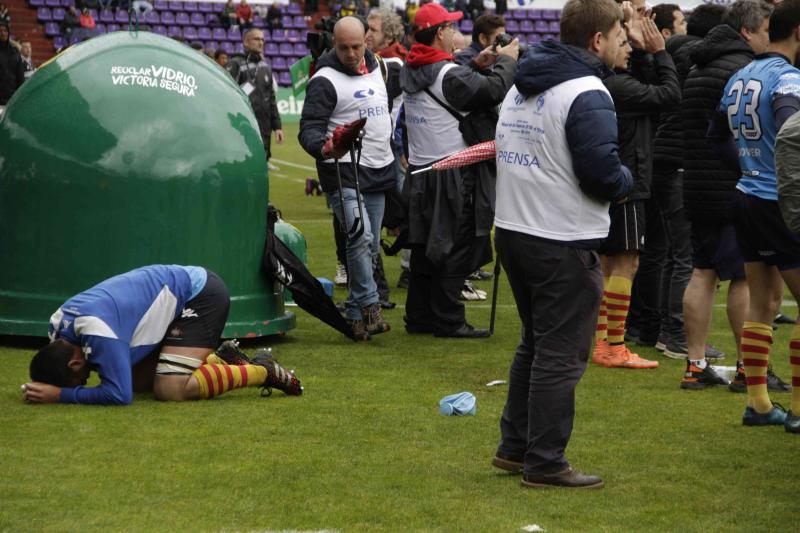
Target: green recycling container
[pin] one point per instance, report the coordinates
(127, 150)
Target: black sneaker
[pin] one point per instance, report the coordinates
(231, 353)
(402, 282)
(373, 319)
(632, 334)
(713, 354)
(776, 384)
(774, 417)
(480, 275)
(696, 378)
(780, 318)
(359, 330)
(277, 376)
(792, 423)
(676, 350)
(739, 383)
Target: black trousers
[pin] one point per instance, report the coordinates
(557, 290)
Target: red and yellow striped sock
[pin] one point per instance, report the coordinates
(214, 379)
(794, 359)
(756, 338)
(618, 300)
(601, 333)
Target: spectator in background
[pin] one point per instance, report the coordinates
(484, 32)
(475, 9)
(25, 52)
(12, 70)
(86, 20)
(274, 15)
(244, 15)
(71, 21)
(228, 15)
(385, 34)
(221, 57)
(254, 77)
(411, 11)
(669, 19)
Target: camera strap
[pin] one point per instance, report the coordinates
(456, 115)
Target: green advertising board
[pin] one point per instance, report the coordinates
(290, 106)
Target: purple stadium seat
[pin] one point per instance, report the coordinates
(466, 26)
(160, 30)
(175, 31)
(279, 63)
(113, 27)
(287, 22)
(300, 22)
(293, 35)
(279, 35)
(51, 29)
(219, 34)
(300, 49)
(152, 18)
(238, 48)
(52, 3)
(205, 7)
(533, 38)
(182, 19)
(59, 42)
(191, 7)
(521, 37)
(512, 26)
(541, 26)
(106, 16)
(218, 7)
(285, 79)
(101, 28)
(534, 14)
(555, 26)
(44, 14)
(176, 6)
(228, 47)
(197, 19)
(93, 13)
(270, 49)
(160, 5)
(286, 49)
(212, 20)
(167, 18)
(122, 17)
(517, 14)
(75, 39)
(548, 37)
(234, 34)
(550, 14)
(204, 33)
(190, 33)
(58, 14)
(36, 3)
(211, 45)
(294, 9)
(258, 22)
(526, 26)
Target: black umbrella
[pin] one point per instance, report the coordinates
(281, 264)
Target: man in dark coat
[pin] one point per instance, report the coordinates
(12, 69)
(254, 77)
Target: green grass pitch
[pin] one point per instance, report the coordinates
(366, 450)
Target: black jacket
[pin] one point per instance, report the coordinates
(637, 105)
(12, 71)
(668, 143)
(319, 105)
(708, 184)
(252, 68)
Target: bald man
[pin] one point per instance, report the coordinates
(348, 85)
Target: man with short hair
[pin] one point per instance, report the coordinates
(669, 19)
(178, 310)
(25, 52)
(450, 211)
(756, 102)
(557, 170)
(349, 85)
(12, 69)
(254, 77)
(708, 189)
(484, 32)
(221, 57)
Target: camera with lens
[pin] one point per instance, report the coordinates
(505, 39)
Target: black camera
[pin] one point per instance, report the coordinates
(322, 41)
(505, 39)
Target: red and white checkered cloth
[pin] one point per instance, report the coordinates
(467, 156)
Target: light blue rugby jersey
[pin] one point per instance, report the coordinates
(747, 102)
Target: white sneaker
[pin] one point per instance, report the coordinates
(341, 275)
(470, 293)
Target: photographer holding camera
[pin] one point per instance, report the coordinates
(484, 34)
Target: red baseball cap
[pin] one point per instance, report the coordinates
(433, 14)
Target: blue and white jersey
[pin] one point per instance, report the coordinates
(747, 102)
(121, 320)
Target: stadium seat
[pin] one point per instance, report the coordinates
(285, 79)
(219, 34)
(113, 27)
(238, 48)
(294, 9)
(521, 37)
(218, 7)
(517, 14)
(191, 7)
(43, 14)
(122, 17)
(234, 35)
(59, 42)
(190, 33)
(176, 6)
(211, 45)
(167, 18)
(555, 26)
(36, 3)
(287, 22)
(541, 26)
(51, 29)
(228, 47)
(152, 18)
(106, 16)
(205, 7)
(293, 35)
(212, 20)
(466, 26)
(286, 49)
(59, 13)
(271, 49)
(52, 3)
(526, 26)
(258, 22)
(197, 19)
(550, 14)
(279, 35)
(204, 33)
(300, 22)
(160, 5)
(174, 31)
(512, 26)
(300, 49)
(160, 30)
(182, 19)
(534, 14)
(100, 28)
(533, 38)
(279, 63)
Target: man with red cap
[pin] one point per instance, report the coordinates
(450, 211)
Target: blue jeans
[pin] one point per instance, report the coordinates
(362, 246)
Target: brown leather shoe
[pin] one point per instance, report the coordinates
(508, 463)
(569, 478)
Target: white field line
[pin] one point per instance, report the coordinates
(295, 165)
